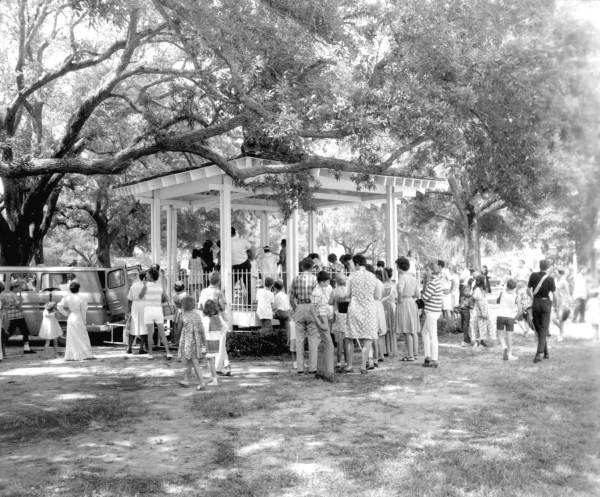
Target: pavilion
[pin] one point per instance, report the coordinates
(209, 187)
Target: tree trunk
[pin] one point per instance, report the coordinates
(29, 205)
(104, 243)
(473, 244)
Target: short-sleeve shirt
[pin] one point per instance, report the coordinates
(320, 300)
(548, 285)
(12, 304)
(154, 292)
(282, 302)
(264, 299)
(134, 291)
(303, 286)
(239, 246)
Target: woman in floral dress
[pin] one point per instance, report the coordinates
(362, 321)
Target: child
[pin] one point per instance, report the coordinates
(526, 303)
(192, 343)
(282, 311)
(213, 292)
(180, 294)
(322, 314)
(50, 330)
(215, 328)
(339, 301)
(508, 312)
(592, 313)
(264, 307)
(481, 320)
(466, 305)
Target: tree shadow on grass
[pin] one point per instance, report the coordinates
(27, 423)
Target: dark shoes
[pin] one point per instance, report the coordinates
(29, 351)
(537, 358)
(485, 344)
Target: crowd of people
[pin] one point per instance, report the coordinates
(331, 309)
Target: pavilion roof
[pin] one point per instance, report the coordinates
(200, 187)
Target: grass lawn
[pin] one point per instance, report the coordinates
(477, 426)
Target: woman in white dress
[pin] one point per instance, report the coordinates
(136, 303)
(78, 345)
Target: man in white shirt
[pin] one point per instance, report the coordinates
(240, 265)
(268, 264)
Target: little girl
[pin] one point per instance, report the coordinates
(215, 327)
(192, 344)
(339, 300)
(50, 330)
(180, 294)
(481, 321)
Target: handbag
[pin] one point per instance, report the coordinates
(420, 304)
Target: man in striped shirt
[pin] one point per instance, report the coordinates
(433, 308)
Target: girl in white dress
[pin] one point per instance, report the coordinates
(50, 330)
(78, 345)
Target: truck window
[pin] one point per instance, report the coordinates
(56, 281)
(23, 282)
(116, 278)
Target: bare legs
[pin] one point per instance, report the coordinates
(161, 336)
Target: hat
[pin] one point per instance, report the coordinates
(266, 247)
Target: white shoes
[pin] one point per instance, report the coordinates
(295, 365)
(512, 357)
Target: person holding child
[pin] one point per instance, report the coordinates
(135, 315)
(192, 342)
(215, 328)
(213, 292)
(322, 315)
(50, 329)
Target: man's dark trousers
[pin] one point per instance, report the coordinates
(541, 321)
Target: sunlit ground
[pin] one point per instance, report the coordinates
(477, 426)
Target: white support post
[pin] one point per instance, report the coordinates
(390, 226)
(225, 221)
(264, 228)
(392, 263)
(171, 247)
(155, 228)
(292, 247)
(312, 232)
